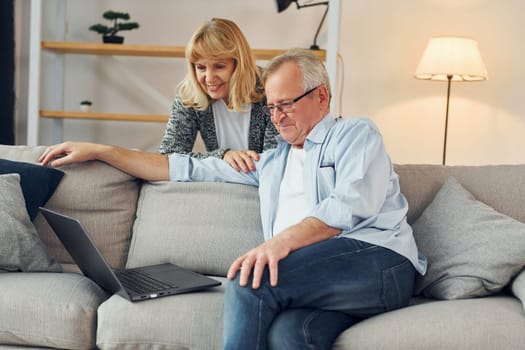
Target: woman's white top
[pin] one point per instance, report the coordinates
(232, 127)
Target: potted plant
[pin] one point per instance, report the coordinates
(109, 32)
(85, 105)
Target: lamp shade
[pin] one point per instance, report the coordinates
(451, 56)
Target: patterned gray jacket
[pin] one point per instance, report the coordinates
(184, 123)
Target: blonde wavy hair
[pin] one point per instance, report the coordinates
(220, 39)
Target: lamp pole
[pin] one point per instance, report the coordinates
(449, 80)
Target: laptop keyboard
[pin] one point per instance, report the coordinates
(140, 282)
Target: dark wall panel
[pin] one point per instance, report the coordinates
(7, 72)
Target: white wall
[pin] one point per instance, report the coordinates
(381, 43)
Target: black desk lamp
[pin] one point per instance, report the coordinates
(284, 4)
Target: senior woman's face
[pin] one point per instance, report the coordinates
(214, 77)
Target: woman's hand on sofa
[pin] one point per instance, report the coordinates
(143, 165)
(67, 153)
(241, 160)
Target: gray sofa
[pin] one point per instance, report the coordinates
(204, 226)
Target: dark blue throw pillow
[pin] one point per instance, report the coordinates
(38, 182)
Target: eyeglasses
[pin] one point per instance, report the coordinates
(287, 106)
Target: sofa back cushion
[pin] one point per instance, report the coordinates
(502, 187)
(102, 198)
(205, 226)
(200, 226)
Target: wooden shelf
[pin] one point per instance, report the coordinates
(113, 49)
(143, 50)
(128, 50)
(155, 118)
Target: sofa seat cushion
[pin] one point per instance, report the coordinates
(184, 321)
(488, 323)
(57, 310)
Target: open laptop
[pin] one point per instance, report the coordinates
(135, 284)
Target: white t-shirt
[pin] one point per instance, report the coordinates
(232, 127)
(292, 207)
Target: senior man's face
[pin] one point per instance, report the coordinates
(284, 85)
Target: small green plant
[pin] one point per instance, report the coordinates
(86, 103)
(111, 31)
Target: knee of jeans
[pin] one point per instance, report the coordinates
(288, 332)
(231, 285)
(398, 283)
(233, 290)
(306, 328)
(277, 336)
(235, 293)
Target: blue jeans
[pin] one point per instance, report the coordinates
(322, 290)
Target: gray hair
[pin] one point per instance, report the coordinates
(312, 68)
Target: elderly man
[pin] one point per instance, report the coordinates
(337, 245)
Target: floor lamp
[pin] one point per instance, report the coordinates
(451, 59)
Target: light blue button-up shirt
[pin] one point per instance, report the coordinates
(348, 178)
